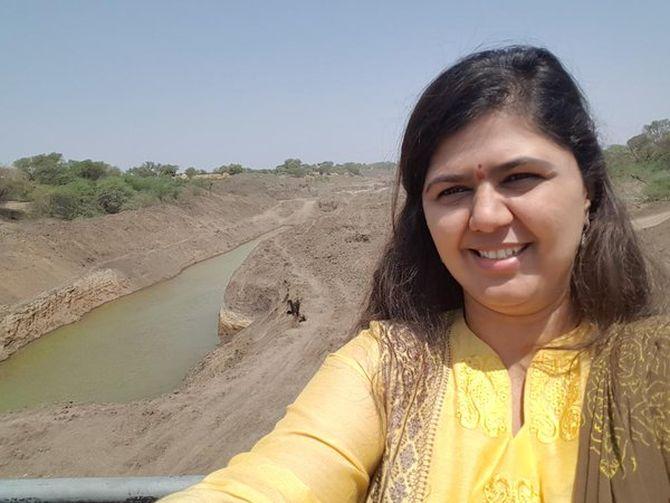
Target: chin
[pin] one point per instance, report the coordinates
(506, 298)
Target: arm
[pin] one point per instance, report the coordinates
(324, 449)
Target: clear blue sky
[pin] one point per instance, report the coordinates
(200, 83)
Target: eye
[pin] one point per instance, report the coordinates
(520, 176)
(457, 189)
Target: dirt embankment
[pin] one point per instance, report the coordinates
(54, 271)
(241, 388)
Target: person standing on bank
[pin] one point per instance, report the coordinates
(509, 349)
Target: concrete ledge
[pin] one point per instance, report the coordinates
(93, 489)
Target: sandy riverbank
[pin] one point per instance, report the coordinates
(55, 271)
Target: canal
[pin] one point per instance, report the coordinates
(138, 346)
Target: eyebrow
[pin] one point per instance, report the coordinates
(499, 169)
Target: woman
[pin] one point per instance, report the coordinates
(519, 359)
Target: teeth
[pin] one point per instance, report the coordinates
(500, 254)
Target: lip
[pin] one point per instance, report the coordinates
(505, 265)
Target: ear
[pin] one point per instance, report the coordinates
(587, 205)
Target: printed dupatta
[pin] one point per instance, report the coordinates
(624, 443)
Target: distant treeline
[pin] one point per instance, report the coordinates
(646, 159)
(68, 188)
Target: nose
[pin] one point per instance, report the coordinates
(489, 210)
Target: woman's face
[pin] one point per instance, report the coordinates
(505, 206)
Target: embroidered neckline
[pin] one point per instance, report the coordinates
(552, 394)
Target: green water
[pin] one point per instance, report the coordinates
(138, 346)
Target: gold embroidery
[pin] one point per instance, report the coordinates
(414, 376)
(482, 395)
(627, 401)
(554, 396)
(503, 490)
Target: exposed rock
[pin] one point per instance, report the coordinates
(230, 323)
(59, 306)
(15, 210)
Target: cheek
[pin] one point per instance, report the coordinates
(555, 214)
(558, 229)
(446, 228)
(559, 224)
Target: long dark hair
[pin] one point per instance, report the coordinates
(610, 280)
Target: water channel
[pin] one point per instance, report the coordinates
(138, 346)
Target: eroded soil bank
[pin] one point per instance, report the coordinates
(55, 271)
(241, 388)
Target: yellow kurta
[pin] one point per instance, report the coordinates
(476, 456)
(331, 440)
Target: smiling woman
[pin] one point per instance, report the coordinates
(507, 231)
(509, 349)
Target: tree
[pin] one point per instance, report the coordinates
(190, 172)
(145, 169)
(657, 130)
(325, 167)
(235, 169)
(292, 167)
(70, 201)
(168, 170)
(89, 169)
(150, 168)
(14, 185)
(231, 169)
(640, 146)
(48, 169)
(112, 194)
(618, 155)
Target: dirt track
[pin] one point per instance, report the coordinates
(241, 388)
(646, 222)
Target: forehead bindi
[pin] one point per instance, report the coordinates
(479, 173)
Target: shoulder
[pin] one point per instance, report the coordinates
(396, 333)
(649, 335)
(637, 352)
(402, 346)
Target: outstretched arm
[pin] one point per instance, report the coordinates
(324, 449)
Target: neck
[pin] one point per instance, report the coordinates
(516, 337)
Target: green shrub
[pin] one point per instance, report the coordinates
(47, 169)
(140, 200)
(76, 199)
(166, 189)
(231, 169)
(658, 188)
(151, 168)
(112, 194)
(163, 187)
(14, 185)
(64, 202)
(202, 183)
(91, 170)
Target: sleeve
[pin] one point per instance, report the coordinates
(324, 449)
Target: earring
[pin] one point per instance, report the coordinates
(585, 230)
